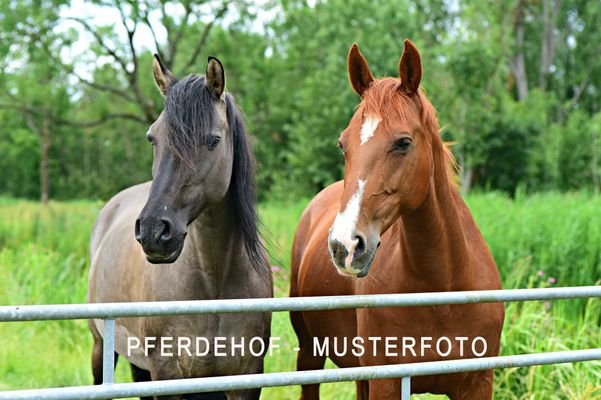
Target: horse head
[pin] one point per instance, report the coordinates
(192, 158)
(388, 155)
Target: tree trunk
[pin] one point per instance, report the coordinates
(518, 64)
(44, 155)
(547, 54)
(43, 134)
(595, 160)
(467, 174)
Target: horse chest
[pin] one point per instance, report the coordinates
(193, 346)
(418, 334)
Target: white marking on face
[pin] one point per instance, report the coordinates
(343, 229)
(370, 124)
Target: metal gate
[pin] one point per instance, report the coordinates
(109, 311)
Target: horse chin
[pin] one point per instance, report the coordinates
(359, 268)
(169, 259)
(353, 273)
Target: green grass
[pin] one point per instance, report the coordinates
(44, 257)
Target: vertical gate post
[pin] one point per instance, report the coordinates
(405, 388)
(108, 352)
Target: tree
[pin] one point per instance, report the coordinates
(35, 90)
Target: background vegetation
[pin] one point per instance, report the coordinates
(516, 84)
(43, 259)
(515, 80)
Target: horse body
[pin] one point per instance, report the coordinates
(208, 201)
(206, 269)
(426, 241)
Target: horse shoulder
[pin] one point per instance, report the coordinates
(321, 205)
(129, 199)
(312, 270)
(113, 229)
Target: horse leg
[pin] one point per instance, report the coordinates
(97, 351)
(161, 371)
(140, 375)
(386, 389)
(362, 390)
(254, 367)
(167, 371)
(97, 361)
(305, 360)
(480, 387)
(206, 396)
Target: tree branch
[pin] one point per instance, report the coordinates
(173, 45)
(203, 37)
(30, 111)
(130, 38)
(102, 44)
(146, 21)
(584, 83)
(99, 86)
(131, 76)
(105, 118)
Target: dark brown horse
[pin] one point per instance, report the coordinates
(398, 223)
(198, 220)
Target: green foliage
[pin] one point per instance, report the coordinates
(507, 139)
(575, 159)
(556, 234)
(20, 153)
(285, 62)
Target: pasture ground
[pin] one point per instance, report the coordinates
(539, 241)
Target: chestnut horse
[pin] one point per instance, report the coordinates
(198, 219)
(398, 223)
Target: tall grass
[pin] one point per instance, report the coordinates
(539, 241)
(559, 235)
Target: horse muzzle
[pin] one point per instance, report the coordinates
(353, 257)
(161, 241)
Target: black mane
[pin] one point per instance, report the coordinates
(190, 114)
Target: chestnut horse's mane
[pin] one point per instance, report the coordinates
(386, 99)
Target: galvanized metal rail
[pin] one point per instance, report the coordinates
(145, 309)
(120, 390)
(109, 311)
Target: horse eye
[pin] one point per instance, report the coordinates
(402, 144)
(212, 142)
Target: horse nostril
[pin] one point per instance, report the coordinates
(137, 230)
(360, 249)
(167, 230)
(337, 249)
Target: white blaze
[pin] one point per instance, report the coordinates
(370, 124)
(343, 229)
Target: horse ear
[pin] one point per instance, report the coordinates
(358, 71)
(410, 69)
(162, 76)
(215, 76)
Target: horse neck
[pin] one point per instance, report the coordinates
(433, 243)
(215, 245)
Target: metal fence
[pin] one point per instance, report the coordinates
(109, 311)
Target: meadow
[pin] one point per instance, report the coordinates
(538, 241)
